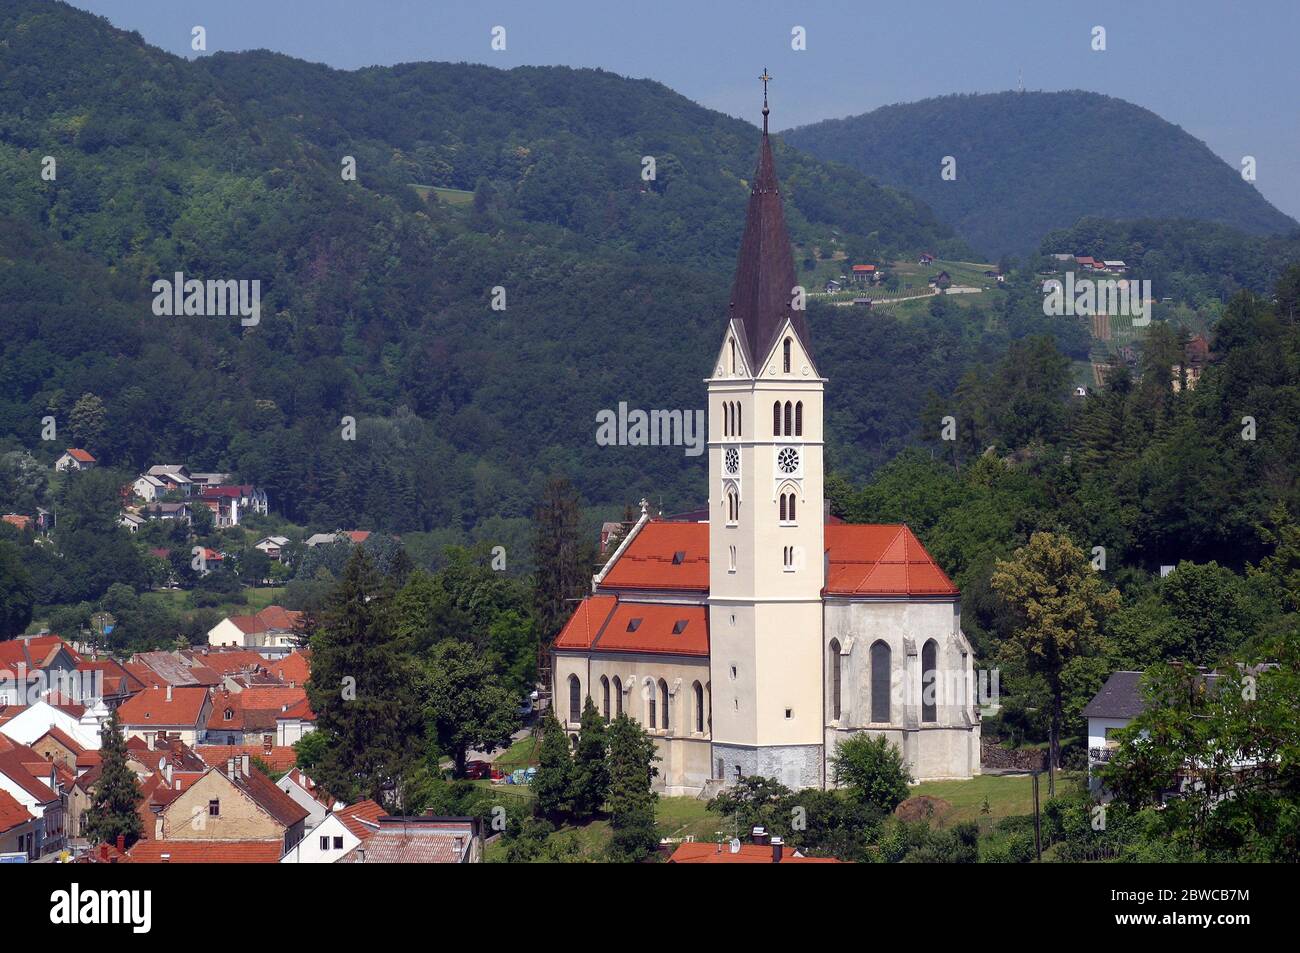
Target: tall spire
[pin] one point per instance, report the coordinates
(762, 292)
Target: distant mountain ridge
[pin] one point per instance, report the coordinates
(1029, 163)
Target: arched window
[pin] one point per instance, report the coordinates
(787, 556)
(732, 554)
(698, 691)
(776, 419)
(880, 662)
(618, 696)
(663, 704)
(789, 425)
(733, 355)
(835, 678)
(791, 508)
(798, 419)
(740, 430)
(783, 517)
(604, 696)
(726, 419)
(652, 713)
(575, 699)
(787, 356)
(929, 681)
(733, 506)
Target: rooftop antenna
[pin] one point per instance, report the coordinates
(1020, 83)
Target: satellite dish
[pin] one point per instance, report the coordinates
(734, 845)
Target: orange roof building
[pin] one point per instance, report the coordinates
(752, 636)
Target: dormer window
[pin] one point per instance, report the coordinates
(230, 713)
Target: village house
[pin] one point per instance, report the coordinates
(232, 802)
(180, 512)
(174, 476)
(864, 274)
(19, 828)
(421, 840)
(179, 712)
(272, 629)
(229, 503)
(149, 488)
(337, 835)
(273, 546)
(38, 786)
(74, 459)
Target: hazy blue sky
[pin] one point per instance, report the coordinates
(1227, 72)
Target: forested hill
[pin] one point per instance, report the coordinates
(376, 295)
(376, 302)
(1028, 163)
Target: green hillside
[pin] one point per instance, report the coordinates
(1028, 163)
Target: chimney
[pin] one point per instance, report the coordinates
(169, 691)
(244, 765)
(266, 746)
(759, 835)
(230, 767)
(778, 846)
(158, 828)
(121, 842)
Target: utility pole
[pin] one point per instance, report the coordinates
(1038, 831)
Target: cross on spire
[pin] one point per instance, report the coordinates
(766, 79)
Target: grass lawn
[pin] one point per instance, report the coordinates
(450, 196)
(524, 752)
(1008, 795)
(254, 600)
(677, 817)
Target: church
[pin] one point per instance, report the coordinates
(752, 641)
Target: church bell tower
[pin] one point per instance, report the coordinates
(766, 535)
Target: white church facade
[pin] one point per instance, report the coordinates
(753, 641)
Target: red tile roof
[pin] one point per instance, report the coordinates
(864, 267)
(294, 667)
(34, 652)
(354, 817)
(27, 769)
(62, 737)
(866, 559)
(12, 814)
(279, 758)
(701, 853)
(586, 622)
(606, 624)
(205, 852)
(151, 708)
(272, 617)
(882, 560)
(652, 560)
(81, 456)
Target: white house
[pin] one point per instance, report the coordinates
(175, 476)
(34, 783)
(74, 458)
(132, 521)
(273, 546)
(303, 790)
(1113, 707)
(38, 718)
(337, 835)
(149, 488)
